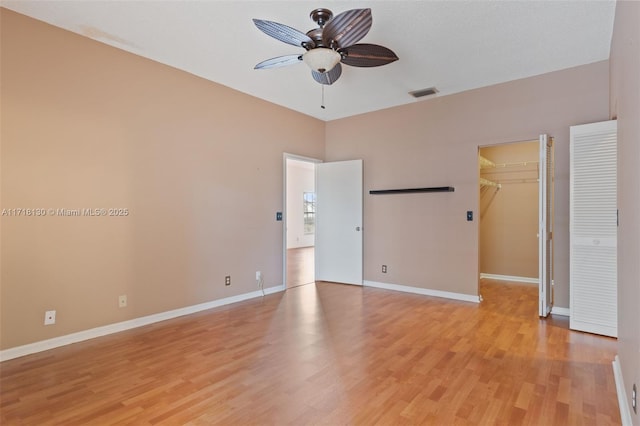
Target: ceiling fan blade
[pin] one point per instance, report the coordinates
(284, 33)
(347, 28)
(367, 55)
(280, 61)
(328, 77)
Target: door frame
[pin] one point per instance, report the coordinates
(287, 156)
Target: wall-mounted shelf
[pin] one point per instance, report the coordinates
(413, 190)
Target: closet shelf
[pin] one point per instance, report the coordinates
(488, 164)
(486, 182)
(413, 190)
(485, 163)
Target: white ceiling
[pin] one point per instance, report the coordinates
(453, 45)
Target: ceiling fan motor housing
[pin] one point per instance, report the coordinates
(315, 35)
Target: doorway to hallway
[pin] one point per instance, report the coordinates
(323, 210)
(300, 220)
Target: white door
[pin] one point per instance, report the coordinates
(545, 223)
(593, 301)
(339, 222)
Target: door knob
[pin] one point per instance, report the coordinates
(357, 228)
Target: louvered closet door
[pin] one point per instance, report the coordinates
(593, 216)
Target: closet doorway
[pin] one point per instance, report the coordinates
(515, 218)
(300, 219)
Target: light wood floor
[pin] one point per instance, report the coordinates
(300, 266)
(327, 354)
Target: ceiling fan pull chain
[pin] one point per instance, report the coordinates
(322, 104)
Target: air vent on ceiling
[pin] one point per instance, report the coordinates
(424, 92)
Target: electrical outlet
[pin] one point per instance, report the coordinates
(634, 399)
(384, 269)
(49, 317)
(258, 275)
(227, 280)
(122, 301)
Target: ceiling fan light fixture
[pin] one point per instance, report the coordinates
(321, 59)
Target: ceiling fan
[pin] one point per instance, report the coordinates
(332, 43)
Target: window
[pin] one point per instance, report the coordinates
(309, 212)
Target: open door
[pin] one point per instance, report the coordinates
(545, 232)
(339, 222)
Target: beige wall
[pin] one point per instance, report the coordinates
(509, 215)
(197, 165)
(625, 104)
(425, 238)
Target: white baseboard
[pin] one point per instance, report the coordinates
(92, 333)
(423, 291)
(557, 310)
(625, 411)
(523, 280)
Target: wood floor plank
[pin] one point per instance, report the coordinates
(327, 354)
